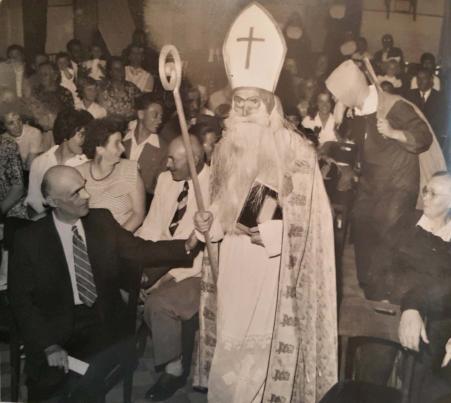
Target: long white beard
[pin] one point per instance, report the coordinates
(246, 152)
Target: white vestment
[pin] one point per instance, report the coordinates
(247, 293)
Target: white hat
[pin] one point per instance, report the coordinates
(254, 50)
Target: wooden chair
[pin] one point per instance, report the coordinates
(361, 318)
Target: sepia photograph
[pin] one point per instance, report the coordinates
(225, 201)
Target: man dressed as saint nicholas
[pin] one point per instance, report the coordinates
(268, 317)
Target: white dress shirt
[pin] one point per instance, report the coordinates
(164, 204)
(39, 167)
(327, 132)
(136, 149)
(66, 236)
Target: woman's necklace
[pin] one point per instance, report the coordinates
(100, 179)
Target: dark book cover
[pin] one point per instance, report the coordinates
(260, 205)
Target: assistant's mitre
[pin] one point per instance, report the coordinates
(254, 50)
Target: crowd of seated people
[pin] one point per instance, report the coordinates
(103, 125)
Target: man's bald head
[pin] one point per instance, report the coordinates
(178, 159)
(64, 189)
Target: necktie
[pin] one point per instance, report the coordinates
(423, 97)
(83, 273)
(181, 208)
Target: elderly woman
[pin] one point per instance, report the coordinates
(113, 183)
(118, 95)
(421, 259)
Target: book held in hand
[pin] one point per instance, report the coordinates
(260, 206)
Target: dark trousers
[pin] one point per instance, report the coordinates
(88, 342)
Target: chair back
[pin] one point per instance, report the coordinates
(359, 317)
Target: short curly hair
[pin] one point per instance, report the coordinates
(68, 123)
(97, 134)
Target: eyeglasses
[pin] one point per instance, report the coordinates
(426, 191)
(252, 103)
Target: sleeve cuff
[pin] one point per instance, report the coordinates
(271, 234)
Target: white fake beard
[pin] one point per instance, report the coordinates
(246, 151)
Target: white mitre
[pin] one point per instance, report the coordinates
(254, 50)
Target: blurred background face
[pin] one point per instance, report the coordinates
(136, 56)
(90, 93)
(309, 89)
(113, 149)
(16, 56)
(290, 65)
(117, 71)
(76, 52)
(362, 45)
(209, 141)
(193, 103)
(425, 81)
(63, 63)
(96, 52)
(436, 198)
(392, 68)
(47, 76)
(13, 124)
(177, 162)
(428, 63)
(152, 117)
(324, 104)
(75, 142)
(387, 42)
(39, 59)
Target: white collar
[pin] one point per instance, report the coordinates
(426, 93)
(370, 103)
(443, 232)
(61, 225)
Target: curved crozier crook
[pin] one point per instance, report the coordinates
(170, 72)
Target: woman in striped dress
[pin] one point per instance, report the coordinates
(114, 183)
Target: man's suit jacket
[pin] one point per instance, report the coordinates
(152, 162)
(39, 283)
(433, 109)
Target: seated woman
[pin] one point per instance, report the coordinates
(322, 120)
(118, 95)
(429, 296)
(419, 256)
(88, 91)
(114, 183)
(28, 138)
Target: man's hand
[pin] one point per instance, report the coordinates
(203, 221)
(384, 128)
(57, 357)
(256, 237)
(411, 329)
